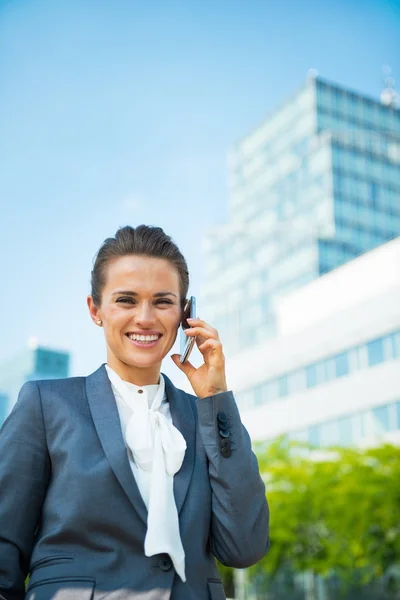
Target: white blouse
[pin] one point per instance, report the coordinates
(156, 450)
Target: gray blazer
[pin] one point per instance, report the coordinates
(71, 513)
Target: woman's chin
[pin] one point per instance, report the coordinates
(143, 362)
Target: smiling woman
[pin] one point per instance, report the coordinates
(126, 484)
(140, 310)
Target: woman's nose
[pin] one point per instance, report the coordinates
(144, 314)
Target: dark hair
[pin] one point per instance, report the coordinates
(144, 240)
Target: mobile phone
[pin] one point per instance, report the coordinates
(187, 343)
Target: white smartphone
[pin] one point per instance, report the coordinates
(187, 342)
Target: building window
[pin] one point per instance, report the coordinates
(321, 372)
(379, 420)
(330, 369)
(283, 386)
(363, 357)
(375, 352)
(313, 435)
(258, 395)
(296, 381)
(345, 432)
(357, 426)
(353, 360)
(272, 391)
(342, 364)
(387, 347)
(395, 339)
(328, 433)
(311, 376)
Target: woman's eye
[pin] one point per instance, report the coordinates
(128, 300)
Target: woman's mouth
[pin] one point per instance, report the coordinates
(143, 340)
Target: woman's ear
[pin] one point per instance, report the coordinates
(94, 311)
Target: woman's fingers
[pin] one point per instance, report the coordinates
(186, 367)
(204, 332)
(210, 344)
(200, 323)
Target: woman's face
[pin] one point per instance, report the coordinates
(140, 312)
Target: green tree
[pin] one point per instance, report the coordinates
(335, 511)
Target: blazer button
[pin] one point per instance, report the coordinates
(226, 448)
(224, 433)
(226, 451)
(165, 563)
(222, 418)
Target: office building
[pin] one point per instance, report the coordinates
(331, 376)
(314, 186)
(33, 363)
(3, 407)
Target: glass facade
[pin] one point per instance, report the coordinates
(317, 184)
(3, 407)
(32, 364)
(352, 429)
(50, 364)
(359, 357)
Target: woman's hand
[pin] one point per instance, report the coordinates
(210, 378)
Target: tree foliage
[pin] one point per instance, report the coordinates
(332, 511)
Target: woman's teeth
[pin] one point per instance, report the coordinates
(143, 338)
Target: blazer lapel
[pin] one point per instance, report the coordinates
(106, 419)
(183, 418)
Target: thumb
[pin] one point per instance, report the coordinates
(186, 367)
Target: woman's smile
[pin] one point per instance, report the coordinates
(144, 339)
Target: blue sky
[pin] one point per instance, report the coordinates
(122, 112)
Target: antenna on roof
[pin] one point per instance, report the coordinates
(389, 96)
(312, 73)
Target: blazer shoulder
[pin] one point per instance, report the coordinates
(58, 395)
(66, 383)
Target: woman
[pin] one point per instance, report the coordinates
(119, 485)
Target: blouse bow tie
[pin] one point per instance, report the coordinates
(152, 436)
(158, 449)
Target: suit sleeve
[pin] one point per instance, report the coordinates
(24, 475)
(239, 534)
